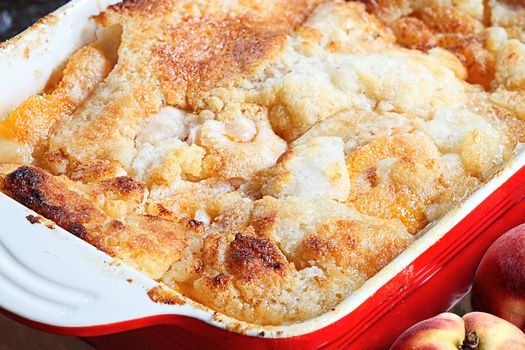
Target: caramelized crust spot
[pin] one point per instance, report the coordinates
(251, 257)
(219, 282)
(6, 169)
(50, 198)
(262, 223)
(116, 226)
(124, 186)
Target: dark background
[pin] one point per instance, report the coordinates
(17, 15)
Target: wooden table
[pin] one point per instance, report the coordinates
(14, 336)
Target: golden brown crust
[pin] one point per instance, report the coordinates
(150, 244)
(123, 187)
(164, 295)
(328, 234)
(189, 65)
(388, 10)
(184, 56)
(6, 169)
(49, 197)
(444, 19)
(251, 258)
(424, 27)
(342, 240)
(414, 33)
(148, 8)
(89, 172)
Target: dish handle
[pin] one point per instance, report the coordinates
(49, 277)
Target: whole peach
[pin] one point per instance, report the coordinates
(475, 331)
(499, 283)
(494, 333)
(444, 331)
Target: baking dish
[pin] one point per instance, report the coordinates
(58, 283)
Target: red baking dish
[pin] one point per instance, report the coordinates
(430, 284)
(434, 282)
(60, 284)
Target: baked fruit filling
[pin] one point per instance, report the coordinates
(267, 158)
